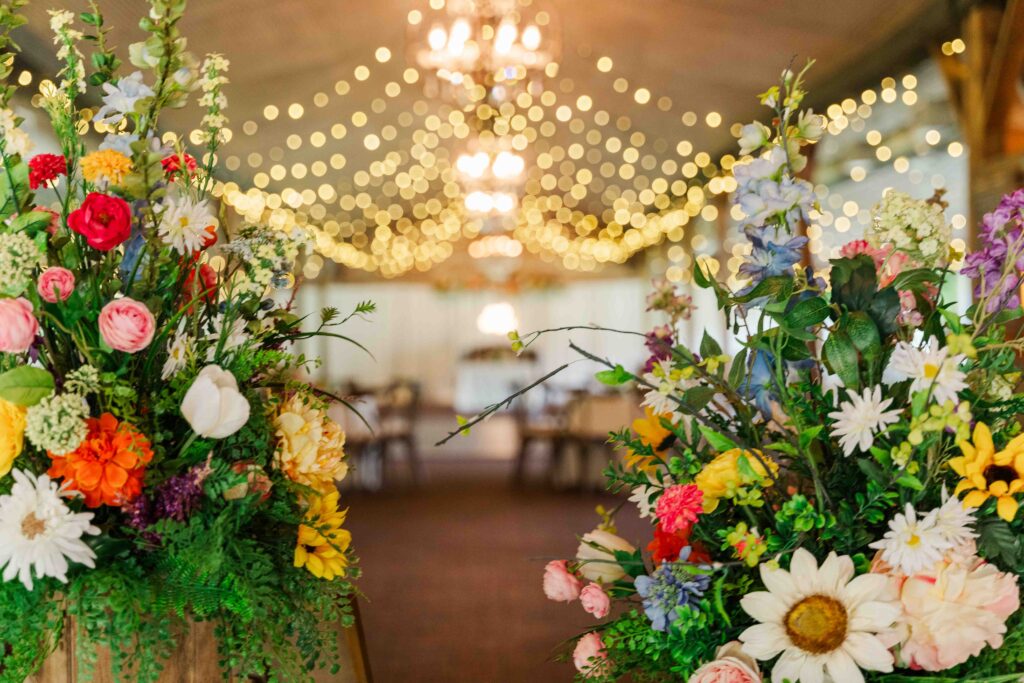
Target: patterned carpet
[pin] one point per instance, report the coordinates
(453, 575)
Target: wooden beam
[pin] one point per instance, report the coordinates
(1004, 70)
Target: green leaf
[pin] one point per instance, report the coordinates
(854, 281)
(872, 470)
(31, 221)
(614, 377)
(738, 371)
(810, 434)
(864, 334)
(717, 441)
(709, 347)
(913, 279)
(807, 313)
(91, 19)
(26, 385)
(700, 278)
(778, 288)
(909, 481)
(842, 358)
(698, 397)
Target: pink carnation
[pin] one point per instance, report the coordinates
(679, 507)
(595, 601)
(559, 584)
(952, 612)
(55, 284)
(18, 325)
(590, 657)
(127, 325)
(731, 665)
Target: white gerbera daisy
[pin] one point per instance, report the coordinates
(955, 521)
(860, 418)
(912, 545)
(39, 531)
(821, 620)
(178, 351)
(931, 368)
(641, 496)
(185, 225)
(667, 386)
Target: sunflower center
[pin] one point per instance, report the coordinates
(32, 526)
(665, 443)
(1003, 473)
(816, 624)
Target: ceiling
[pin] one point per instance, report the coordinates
(697, 56)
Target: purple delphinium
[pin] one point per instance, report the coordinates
(178, 497)
(774, 253)
(671, 586)
(999, 234)
(659, 342)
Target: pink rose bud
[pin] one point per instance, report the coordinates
(127, 325)
(55, 284)
(590, 657)
(18, 326)
(559, 584)
(732, 665)
(595, 601)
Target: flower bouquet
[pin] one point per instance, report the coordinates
(160, 462)
(837, 499)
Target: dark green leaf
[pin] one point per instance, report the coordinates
(778, 288)
(709, 347)
(841, 356)
(807, 313)
(738, 371)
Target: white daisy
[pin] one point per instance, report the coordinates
(234, 336)
(931, 368)
(641, 496)
(821, 620)
(178, 351)
(860, 418)
(912, 545)
(667, 385)
(39, 531)
(185, 225)
(954, 520)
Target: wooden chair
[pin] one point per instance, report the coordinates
(546, 428)
(362, 441)
(399, 410)
(589, 421)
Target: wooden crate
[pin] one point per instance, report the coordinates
(195, 661)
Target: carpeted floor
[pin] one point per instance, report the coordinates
(452, 575)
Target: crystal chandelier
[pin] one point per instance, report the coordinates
(483, 49)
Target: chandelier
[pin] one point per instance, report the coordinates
(484, 49)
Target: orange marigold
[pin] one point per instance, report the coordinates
(108, 466)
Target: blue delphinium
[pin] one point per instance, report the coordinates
(774, 253)
(672, 585)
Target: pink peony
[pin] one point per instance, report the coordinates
(952, 612)
(127, 325)
(559, 584)
(18, 326)
(595, 601)
(56, 283)
(679, 507)
(731, 665)
(590, 657)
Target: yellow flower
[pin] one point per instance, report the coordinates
(322, 542)
(721, 477)
(987, 473)
(310, 445)
(106, 164)
(12, 434)
(651, 433)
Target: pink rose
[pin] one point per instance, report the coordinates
(127, 325)
(18, 326)
(56, 283)
(590, 657)
(731, 665)
(595, 601)
(559, 584)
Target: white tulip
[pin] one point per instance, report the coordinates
(213, 405)
(599, 564)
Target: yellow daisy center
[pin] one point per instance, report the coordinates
(931, 370)
(914, 540)
(32, 526)
(817, 624)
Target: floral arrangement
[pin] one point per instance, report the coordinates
(837, 500)
(160, 460)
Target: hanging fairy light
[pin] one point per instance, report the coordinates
(480, 49)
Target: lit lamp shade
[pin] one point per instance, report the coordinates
(497, 319)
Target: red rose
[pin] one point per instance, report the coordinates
(45, 168)
(104, 221)
(172, 164)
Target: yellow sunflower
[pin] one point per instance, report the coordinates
(322, 542)
(651, 433)
(721, 478)
(987, 473)
(12, 434)
(106, 164)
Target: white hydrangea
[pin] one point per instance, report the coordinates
(913, 226)
(57, 423)
(19, 257)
